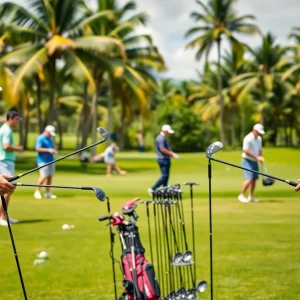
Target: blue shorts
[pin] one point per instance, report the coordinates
(250, 164)
(7, 167)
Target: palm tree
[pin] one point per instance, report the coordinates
(218, 19)
(264, 71)
(50, 31)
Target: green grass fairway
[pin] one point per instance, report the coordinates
(256, 246)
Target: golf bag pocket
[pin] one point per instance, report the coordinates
(151, 285)
(138, 270)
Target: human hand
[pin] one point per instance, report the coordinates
(52, 150)
(5, 186)
(297, 188)
(260, 159)
(19, 148)
(176, 156)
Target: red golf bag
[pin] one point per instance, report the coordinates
(145, 276)
(140, 282)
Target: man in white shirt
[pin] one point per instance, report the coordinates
(252, 154)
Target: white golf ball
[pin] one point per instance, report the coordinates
(43, 254)
(66, 227)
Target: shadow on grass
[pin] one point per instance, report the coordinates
(34, 221)
(272, 201)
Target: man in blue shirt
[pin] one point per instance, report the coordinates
(164, 154)
(45, 153)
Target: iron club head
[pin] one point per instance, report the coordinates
(213, 148)
(103, 132)
(99, 194)
(201, 286)
(177, 257)
(187, 256)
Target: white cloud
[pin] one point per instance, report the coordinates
(170, 19)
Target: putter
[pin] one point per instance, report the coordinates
(98, 192)
(102, 132)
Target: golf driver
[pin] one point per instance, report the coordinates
(216, 146)
(101, 131)
(98, 192)
(212, 149)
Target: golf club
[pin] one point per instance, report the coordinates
(212, 149)
(14, 247)
(191, 184)
(216, 146)
(98, 192)
(101, 131)
(201, 286)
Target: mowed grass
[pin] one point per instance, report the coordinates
(255, 246)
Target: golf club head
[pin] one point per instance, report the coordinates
(99, 194)
(177, 258)
(103, 132)
(213, 148)
(191, 294)
(187, 256)
(201, 286)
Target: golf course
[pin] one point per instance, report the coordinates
(255, 245)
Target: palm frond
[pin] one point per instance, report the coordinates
(30, 67)
(102, 44)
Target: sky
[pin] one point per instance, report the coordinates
(170, 19)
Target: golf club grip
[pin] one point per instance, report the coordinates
(13, 178)
(293, 183)
(103, 218)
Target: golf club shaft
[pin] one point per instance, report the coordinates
(54, 186)
(14, 247)
(56, 160)
(293, 183)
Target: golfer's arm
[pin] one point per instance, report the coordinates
(45, 150)
(251, 154)
(166, 151)
(9, 148)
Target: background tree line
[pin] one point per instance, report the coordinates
(65, 63)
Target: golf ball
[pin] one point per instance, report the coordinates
(43, 254)
(66, 227)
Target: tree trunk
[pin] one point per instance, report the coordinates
(60, 134)
(38, 103)
(94, 115)
(26, 126)
(51, 112)
(220, 88)
(21, 124)
(109, 110)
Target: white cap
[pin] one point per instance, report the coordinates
(50, 129)
(167, 128)
(259, 128)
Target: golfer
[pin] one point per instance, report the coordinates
(252, 154)
(164, 154)
(44, 147)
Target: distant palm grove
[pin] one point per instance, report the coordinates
(76, 66)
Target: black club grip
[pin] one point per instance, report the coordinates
(293, 183)
(103, 218)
